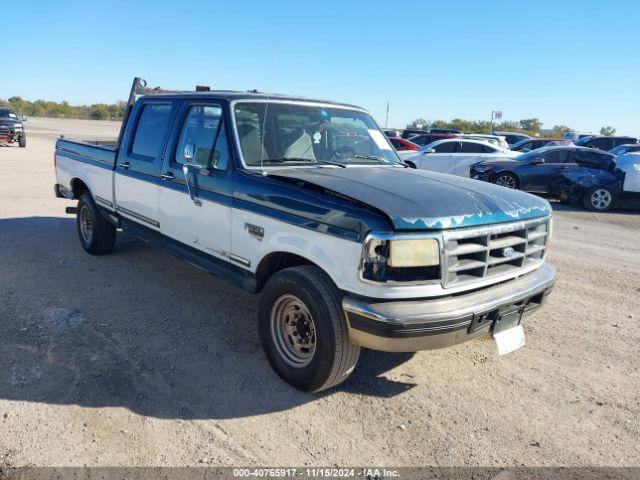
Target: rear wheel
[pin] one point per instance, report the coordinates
(508, 180)
(97, 235)
(22, 140)
(598, 199)
(303, 330)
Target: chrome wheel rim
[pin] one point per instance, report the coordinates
(506, 181)
(600, 199)
(293, 331)
(86, 224)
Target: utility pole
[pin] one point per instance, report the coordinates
(386, 119)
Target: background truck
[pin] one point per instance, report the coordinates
(12, 128)
(307, 202)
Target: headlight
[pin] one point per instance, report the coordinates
(414, 253)
(401, 259)
(481, 168)
(18, 125)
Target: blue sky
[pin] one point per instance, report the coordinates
(565, 62)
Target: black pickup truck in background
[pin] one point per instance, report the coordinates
(11, 128)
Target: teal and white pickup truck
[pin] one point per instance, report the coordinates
(307, 202)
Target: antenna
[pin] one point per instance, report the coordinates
(266, 107)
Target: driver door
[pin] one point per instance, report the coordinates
(540, 175)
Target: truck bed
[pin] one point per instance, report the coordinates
(91, 160)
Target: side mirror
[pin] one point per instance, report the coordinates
(189, 150)
(538, 161)
(430, 150)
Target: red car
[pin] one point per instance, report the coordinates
(401, 144)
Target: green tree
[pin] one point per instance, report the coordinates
(608, 131)
(531, 124)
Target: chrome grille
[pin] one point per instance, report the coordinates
(482, 253)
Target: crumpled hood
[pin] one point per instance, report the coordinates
(420, 200)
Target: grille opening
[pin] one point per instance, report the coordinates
(497, 252)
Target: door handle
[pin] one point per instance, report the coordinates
(167, 176)
(126, 165)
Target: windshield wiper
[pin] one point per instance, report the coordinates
(380, 159)
(303, 160)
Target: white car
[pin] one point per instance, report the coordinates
(455, 155)
(492, 139)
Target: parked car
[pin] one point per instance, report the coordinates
(493, 139)
(427, 138)
(629, 163)
(531, 144)
(401, 144)
(12, 128)
(412, 132)
(452, 131)
(605, 143)
(511, 137)
(391, 133)
(348, 247)
(454, 156)
(626, 148)
(573, 174)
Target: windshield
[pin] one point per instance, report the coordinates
(532, 154)
(296, 134)
(583, 141)
(6, 113)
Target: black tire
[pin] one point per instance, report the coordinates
(598, 199)
(507, 180)
(100, 237)
(22, 140)
(334, 356)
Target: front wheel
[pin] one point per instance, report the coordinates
(598, 199)
(22, 140)
(303, 330)
(508, 180)
(97, 235)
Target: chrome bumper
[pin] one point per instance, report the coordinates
(412, 325)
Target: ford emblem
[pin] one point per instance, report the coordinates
(508, 252)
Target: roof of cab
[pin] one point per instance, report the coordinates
(251, 95)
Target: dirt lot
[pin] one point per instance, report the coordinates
(137, 358)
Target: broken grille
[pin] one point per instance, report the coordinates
(478, 254)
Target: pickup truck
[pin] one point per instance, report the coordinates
(308, 203)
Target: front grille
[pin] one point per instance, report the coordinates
(471, 255)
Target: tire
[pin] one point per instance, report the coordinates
(306, 292)
(508, 180)
(97, 235)
(598, 199)
(22, 140)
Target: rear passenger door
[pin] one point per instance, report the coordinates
(137, 172)
(198, 214)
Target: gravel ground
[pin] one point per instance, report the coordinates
(138, 358)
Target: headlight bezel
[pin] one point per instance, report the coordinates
(374, 263)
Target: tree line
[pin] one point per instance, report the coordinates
(44, 108)
(530, 126)
(115, 111)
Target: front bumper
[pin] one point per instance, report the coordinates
(413, 325)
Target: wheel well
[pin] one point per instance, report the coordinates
(274, 262)
(78, 187)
